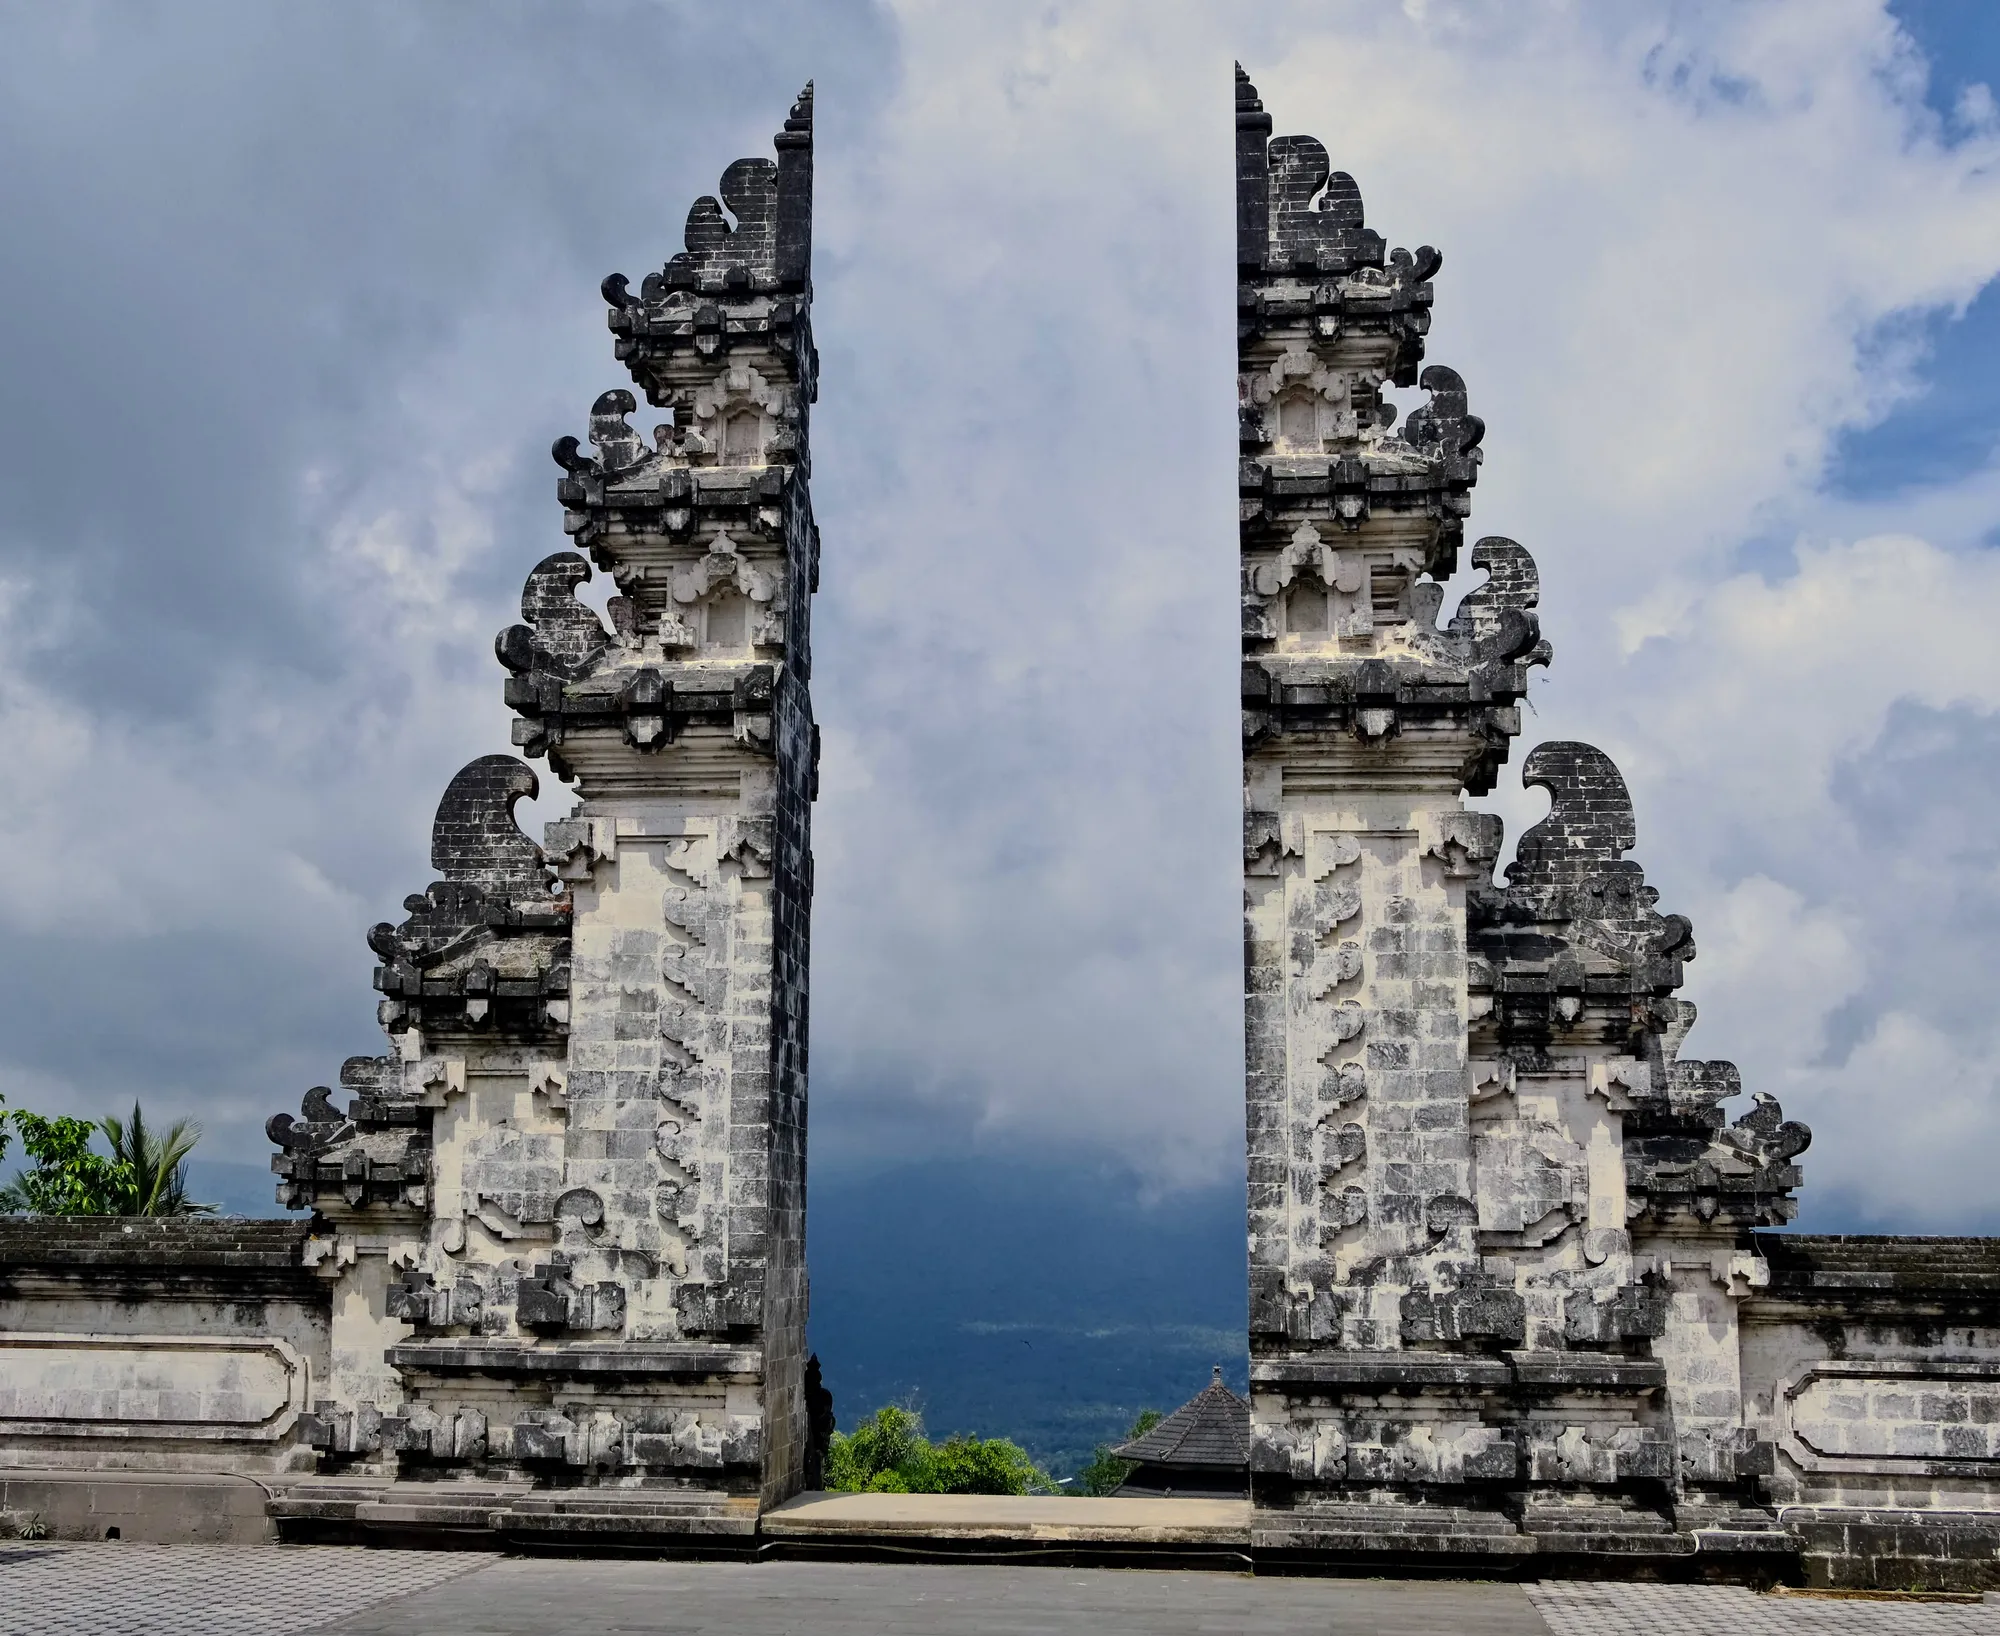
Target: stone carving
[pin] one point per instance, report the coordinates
(1483, 1185)
(562, 636)
(588, 1130)
(1512, 1285)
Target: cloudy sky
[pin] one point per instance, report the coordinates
(295, 298)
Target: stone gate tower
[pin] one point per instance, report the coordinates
(1498, 1230)
(1512, 1289)
(564, 1214)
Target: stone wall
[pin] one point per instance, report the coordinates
(176, 1346)
(1871, 1366)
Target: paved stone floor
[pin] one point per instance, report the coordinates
(197, 1590)
(121, 1589)
(531, 1597)
(1573, 1609)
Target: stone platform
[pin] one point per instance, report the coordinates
(1858, 1547)
(125, 1589)
(945, 1527)
(1213, 1533)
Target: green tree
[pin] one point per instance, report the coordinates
(1105, 1471)
(144, 1175)
(991, 1465)
(155, 1164)
(67, 1179)
(889, 1454)
(874, 1456)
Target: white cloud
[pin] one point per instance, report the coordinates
(1914, 1115)
(1810, 757)
(1675, 237)
(1770, 681)
(1771, 968)
(1672, 236)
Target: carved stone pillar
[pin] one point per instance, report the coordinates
(566, 1213)
(1461, 1097)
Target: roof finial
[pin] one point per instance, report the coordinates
(1247, 100)
(800, 121)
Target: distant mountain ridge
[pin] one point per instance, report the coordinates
(1046, 1303)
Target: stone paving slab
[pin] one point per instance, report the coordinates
(1577, 1609)
(1012, 1517)
(539, 1597)
(127, 1589)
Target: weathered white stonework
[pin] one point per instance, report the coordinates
(1503, 1237)
(162, 1346)
(159, 1385)
(563, 1216)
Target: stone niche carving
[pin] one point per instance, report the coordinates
(1879, 1416)
(137, 1386)
(726, 604)
(740, 419)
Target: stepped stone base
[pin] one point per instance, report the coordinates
(1543, 1540)
(504, 1514)
(1831, 1547)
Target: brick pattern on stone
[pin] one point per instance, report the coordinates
(1472, 1138)
(589, 1129)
